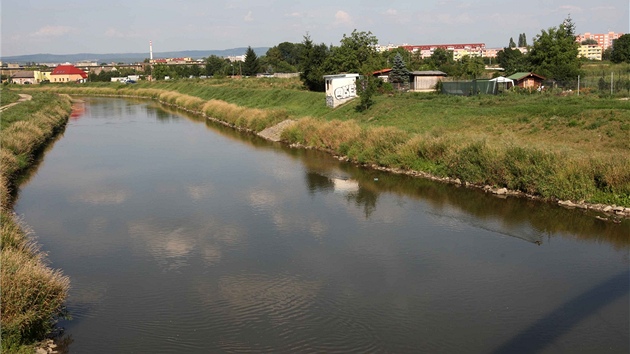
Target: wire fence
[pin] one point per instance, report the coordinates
(612, 83)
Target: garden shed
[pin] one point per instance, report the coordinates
(340, 89)
(527, 80)
(425, 81)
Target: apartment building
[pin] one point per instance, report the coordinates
(604, 40)
(590, 51)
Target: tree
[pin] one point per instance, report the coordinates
(568, 26)
(284, 57)
(471, 67)
(512, 44)
(311, 64)
(251, 65)
(512, 61)
(366, 88)
(607, 53)
(215, 65)
(356, 53)
(160, 71)
(399, 74)
(589, 41)
(555, 53)
(621, 49)
(522, 40)
(440, 57)
(442, 60)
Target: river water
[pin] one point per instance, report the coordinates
(180, 235)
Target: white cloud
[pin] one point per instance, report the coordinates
(248, 17)
(295, 15)
(53, 31)
(391, 12)
(343, 18)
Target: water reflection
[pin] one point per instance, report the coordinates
(180, 240)
(513, 214)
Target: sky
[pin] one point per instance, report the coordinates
(126, 26)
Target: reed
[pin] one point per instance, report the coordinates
(32, 293)
(553, 146)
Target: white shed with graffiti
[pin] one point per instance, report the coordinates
(340, 89)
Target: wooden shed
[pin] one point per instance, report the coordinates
(425, 81)
(527, 80)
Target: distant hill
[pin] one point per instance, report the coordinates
(126, 57)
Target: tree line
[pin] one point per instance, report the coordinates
(552, 54)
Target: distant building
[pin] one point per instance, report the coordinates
(169, 61)
(426, 50)
(68, 73)
(23, 77)
(590, 51)
(604, 40)
(340, 89)
(235, 58)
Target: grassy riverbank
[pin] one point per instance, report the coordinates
(552, 146)
(32, 294)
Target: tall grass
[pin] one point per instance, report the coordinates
(32, 294)
(565, 147)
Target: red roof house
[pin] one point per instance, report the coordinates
(68, 73)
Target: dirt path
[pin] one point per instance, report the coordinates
(23, 97)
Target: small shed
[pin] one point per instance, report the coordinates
(382, 74)
(340, 89)
(23, 77)
(425, 81)
(527, 80)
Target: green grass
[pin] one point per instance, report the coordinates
(7, 96)
(550, 145)
(32, 293)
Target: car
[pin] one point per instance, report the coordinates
(130, 82)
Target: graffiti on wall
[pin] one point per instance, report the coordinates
(347, 91)
(330, 101)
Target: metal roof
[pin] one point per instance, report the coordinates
(428, 73)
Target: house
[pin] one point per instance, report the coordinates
(23, 77)
(382, 74)
(68, 73)
(340, 89)
(425, 81)
(527, 80)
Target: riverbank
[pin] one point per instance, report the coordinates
(570, 149)
(32, 293)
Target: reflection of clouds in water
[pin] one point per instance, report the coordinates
(102, 197)
(263, 199)
(283, 298)
(284, 173)
(200, 191)
(163, 243)
(97, 225)
(289, 222)
(173, 246)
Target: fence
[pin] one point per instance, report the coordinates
(614, 83)
(469, 88)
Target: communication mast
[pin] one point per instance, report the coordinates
(150, 50)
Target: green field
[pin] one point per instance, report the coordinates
(553, 145)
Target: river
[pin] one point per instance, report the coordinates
(181, 235)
